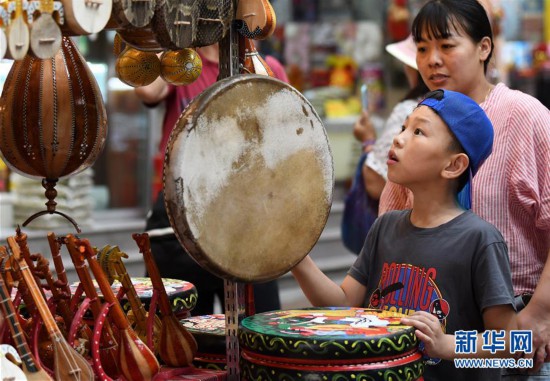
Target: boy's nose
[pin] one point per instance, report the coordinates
(398, 140)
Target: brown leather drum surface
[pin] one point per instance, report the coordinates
(248, 178)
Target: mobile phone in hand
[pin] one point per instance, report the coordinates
(365, 97)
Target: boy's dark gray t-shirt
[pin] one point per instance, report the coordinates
(453, 271)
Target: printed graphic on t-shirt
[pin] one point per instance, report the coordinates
(405, 288)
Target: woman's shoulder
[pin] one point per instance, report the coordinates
(511, 107)
(506, 97)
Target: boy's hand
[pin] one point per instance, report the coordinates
(428, 330)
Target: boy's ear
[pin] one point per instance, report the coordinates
(458, 163)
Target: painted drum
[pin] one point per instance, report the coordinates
(182, 294)
(328, 344)
(248, 178)
(209, 332)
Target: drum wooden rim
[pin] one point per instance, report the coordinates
(248, 184)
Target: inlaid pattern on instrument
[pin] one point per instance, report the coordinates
(137, 68)
(54, 122)
(180, 67)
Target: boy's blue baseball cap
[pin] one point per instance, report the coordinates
(471, 127)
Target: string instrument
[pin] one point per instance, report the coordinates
(133, 13)
(253, 63)
(21, 239)
(211, 20)
(13, 277)
(45, 35)
(68, 364)
(137, 361)
(62, 307)
(39, 339)
(61, 293)
(84, 17)
(9, 367)
(45, 345)
(255, 19)
(108, 345)
(4, 257)
(177, 345)
(18, 34)
(172, 23)
(64, 140)
(62, 283)
(110, 259)
(31, 368)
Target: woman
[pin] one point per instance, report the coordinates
(512, 189)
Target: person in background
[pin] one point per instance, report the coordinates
(375, 170)
(172, 260)
(438, 262)
(512, 190)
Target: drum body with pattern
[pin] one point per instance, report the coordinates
(209, 332)
(328, 344)
(181, 294)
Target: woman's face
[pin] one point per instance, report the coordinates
(454, 63)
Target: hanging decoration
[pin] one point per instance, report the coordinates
(53, 122)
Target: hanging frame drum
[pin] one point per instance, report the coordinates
(248, 178)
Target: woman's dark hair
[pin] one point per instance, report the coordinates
(418, 91)
(438, 17)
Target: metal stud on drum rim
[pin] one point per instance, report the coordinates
(248, 178)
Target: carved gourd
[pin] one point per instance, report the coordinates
(53, 121)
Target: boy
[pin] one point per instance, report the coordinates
(438, 258)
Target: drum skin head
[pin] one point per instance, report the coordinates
(248, 178)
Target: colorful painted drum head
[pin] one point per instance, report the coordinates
(209, 332)
(328, 344)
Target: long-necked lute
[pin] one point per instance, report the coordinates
(31, 368)
(177, 345)
(137, 361)
(68, 363)
(147, 328)
(44, 342)
(83, 333)
(108, 342)
(55, 248)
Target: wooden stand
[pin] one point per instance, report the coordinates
(234, 292)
